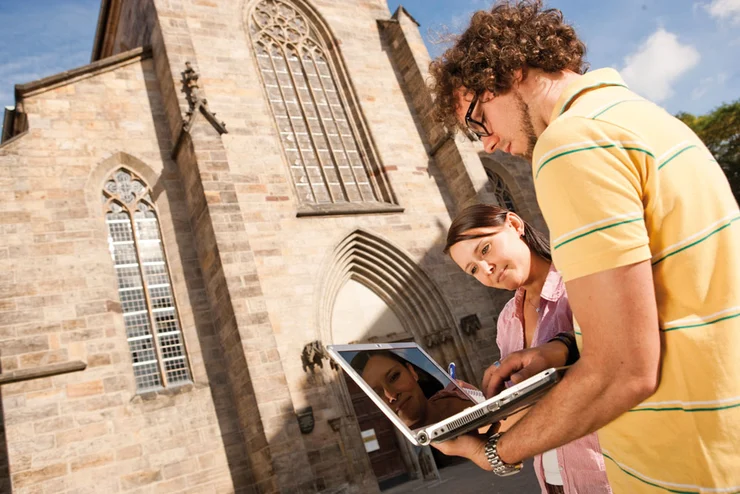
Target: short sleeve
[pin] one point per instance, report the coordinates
(589, 177)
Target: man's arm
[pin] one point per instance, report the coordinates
(619, 364)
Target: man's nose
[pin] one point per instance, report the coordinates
(490, 142)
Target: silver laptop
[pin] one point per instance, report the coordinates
(421, 399)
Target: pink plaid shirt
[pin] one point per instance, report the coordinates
(581, 462)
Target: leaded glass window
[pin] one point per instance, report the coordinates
(501, 191)
(320, 141)
(144, 285)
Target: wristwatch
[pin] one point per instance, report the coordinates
(499, 467)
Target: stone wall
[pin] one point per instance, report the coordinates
(517, 174)
(89, 431)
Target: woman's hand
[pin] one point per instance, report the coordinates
(518, 366)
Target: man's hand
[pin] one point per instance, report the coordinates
(521, 365)
(619, 365)
(470, 446)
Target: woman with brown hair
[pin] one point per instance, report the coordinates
(412, 393)
(501, 250)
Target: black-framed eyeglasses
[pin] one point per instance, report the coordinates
(476, 127)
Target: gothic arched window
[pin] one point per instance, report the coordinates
(501, 191)
(144, 285)
(319, 135)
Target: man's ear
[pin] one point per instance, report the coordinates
(486, 96)
(520, 75)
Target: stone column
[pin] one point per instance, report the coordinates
(277, 457)
(455, 156)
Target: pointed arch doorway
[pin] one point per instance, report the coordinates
(374, 292)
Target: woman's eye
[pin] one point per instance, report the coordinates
(474, 270)
(485, 249)
(393, 376)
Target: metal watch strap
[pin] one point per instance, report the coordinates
(499, 467)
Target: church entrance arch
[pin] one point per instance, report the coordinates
(374, 292)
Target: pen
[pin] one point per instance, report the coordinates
(451, 370)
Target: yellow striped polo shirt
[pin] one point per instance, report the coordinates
(620, 181)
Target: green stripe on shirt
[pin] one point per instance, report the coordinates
(588, 148)
(615, 104)
(675, 155)
(717, 230)
(700, 324)
(646, 481)
(596, 230)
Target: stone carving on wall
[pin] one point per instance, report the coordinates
(437, 338)
(313, 355)
(470, 324)
(305, 419)
(196, 101)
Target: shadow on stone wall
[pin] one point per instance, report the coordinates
(5, 486)
(212, 350)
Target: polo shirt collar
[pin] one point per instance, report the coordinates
(591, 80)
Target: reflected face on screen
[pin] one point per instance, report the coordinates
(397, 385)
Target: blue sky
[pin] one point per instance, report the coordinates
(43, 37)
(680, 53)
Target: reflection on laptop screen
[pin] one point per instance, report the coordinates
(410, 384)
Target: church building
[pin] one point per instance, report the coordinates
(187, 221)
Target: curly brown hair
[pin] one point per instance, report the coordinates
(513, 35)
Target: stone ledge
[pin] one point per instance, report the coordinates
(40, 372)
(347, 208)
(175, 390)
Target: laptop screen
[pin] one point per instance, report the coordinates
(409, 383)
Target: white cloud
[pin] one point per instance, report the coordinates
(725, 10)
(707, 83)
(658, 64)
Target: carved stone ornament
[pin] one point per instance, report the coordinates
(305, 419)
(196, 102)
(437, 338)
(470, 324)
(313, 354)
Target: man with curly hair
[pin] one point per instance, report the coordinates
(645, 231)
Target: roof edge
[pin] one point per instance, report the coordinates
(32, 87)
(100, 30)
(401, 9)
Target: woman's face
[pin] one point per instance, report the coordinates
(500, 259)
(397, 385)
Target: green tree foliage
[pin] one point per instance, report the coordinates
(720, 131)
